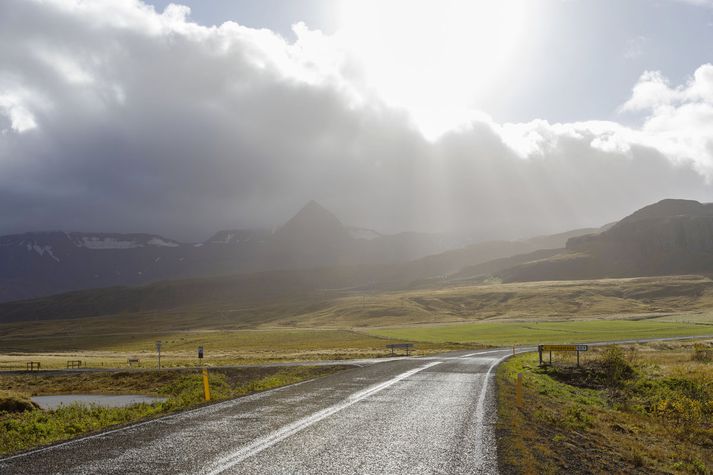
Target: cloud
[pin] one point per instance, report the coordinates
(116, 117)
(679, 118)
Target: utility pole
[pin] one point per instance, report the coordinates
(158, 349)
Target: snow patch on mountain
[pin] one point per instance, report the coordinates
(42, 250)
(361, 233)
(159, 242)
(224, 238)
(93, 242)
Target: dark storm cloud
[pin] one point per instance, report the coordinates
(116, 118)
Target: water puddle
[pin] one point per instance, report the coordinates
(109, 400)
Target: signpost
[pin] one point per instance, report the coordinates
(551, 348)
(200, 353)
(405, 346)
(158, 350)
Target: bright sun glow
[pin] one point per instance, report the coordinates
(437, 59)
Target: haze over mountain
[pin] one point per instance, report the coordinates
(666, 238)
(43, 263)
(314, 252)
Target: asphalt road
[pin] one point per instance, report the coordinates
(412, 415)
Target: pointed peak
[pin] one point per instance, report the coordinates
(314, 210)
(313, 205)
(313, 219)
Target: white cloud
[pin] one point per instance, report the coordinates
(145, 121)
(20, 118)
(679, 118)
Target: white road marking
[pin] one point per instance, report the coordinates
(481, 353)
(480, 410)
(273, 438)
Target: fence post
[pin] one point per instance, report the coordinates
(206, 386)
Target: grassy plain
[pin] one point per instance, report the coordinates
(515, 333)
(221, 348)
(640, 409)
(351, 324)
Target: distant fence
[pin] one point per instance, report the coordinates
(74, 363)
(403, 346)
(33, 366)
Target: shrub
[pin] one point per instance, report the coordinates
(577, 418)
(12, 402)
(617, 368)
(702, 353)
(680, 409)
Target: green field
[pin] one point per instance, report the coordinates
(511, 333)
(240, 341)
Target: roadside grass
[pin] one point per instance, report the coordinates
(23, 427)
(518, 333)
(636, 409)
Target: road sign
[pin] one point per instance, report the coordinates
(158, 345)
(200, 352)
(405, 346)
(578, 348)
(564, 347)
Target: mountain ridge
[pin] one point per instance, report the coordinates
(37, 264)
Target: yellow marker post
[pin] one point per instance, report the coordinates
(206, 386)
(518, 390)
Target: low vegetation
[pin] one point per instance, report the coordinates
(523, 333)
(640, 409)
(23, 425)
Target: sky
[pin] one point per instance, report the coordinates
(496, 119)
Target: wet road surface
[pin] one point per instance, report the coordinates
(415, 415)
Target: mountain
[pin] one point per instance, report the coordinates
(45, 263)
(491, 255)
(666, 238)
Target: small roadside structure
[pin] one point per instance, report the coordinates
(33, 366)
(132, 361)
(403, 346)
(550, 348)
(74, 363)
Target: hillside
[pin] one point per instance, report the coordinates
(526, 307)
(672, 237)
(666, 238)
